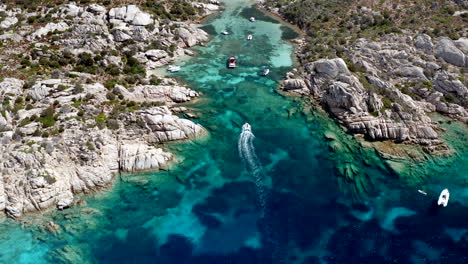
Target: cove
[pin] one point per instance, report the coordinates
(315, 196)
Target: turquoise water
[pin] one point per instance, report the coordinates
(304, 192)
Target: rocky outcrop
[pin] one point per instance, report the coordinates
(158, 93)
(424, 43)
(139, 157)
(8, 22)
(49, 172)
(11, 86)
(50, 27)
(448, 83)
(130, 14)
(447, 50)
(72, 128)
(395, 82)
(345, 96)
(168, 127)
(294, 84)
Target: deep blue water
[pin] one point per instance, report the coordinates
(291, 204)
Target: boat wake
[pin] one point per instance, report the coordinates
(252, 163)
(276, 254)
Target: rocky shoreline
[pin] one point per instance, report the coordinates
(385, 88)
(78, 105)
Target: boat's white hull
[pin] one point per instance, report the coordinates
(246, 127)
(173, 68)
(444, 198)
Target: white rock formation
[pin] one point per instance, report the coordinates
(158, 93)
(140, 157)
(168, 127)
(8, 22)
(50, 27)
(447, 50)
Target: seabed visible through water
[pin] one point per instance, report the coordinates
(296, 190)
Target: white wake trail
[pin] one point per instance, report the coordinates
(252, 163)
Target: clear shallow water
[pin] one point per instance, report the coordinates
(209, 208)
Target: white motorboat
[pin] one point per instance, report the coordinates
(173, 68)
(225, 33)
(249, 37)
(246, 127)
(265, 72)
(444, 198)
(232, 62)
(252, 19)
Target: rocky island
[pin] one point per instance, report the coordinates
(381, 68)
(80, 100)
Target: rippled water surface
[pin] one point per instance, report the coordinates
(294, 190)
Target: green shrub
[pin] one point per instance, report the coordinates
(47, 117)
(110, 83)
(155, 80)
(387, 103)
(37, 133)
(100, 120)
(113, 70)
(78, 88)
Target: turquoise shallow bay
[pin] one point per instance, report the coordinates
(206, 209)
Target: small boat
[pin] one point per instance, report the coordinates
(249, 37)
(246, 127)
(225, 33)
(444, 198)
(422, 192)
(252, 19)
(173, 68)
(265, 72)
(232, 62)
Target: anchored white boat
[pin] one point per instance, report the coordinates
(173, 68)
(249, 37)
(252, 19)
(232, 62)
(265, 72)
(246, 127)
(225, 33)
(444, 198)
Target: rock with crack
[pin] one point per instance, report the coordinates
(167, 127)
(11, 86)
(157, 93)
(449, 52)
(140, 157)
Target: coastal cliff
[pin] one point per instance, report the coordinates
(79, 101)
(378, 73)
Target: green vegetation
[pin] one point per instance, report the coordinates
(133, 66)
(172, 10)
(100, 120)
(331, 24)
(90, 146)
(387, 103)
(47, 118)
